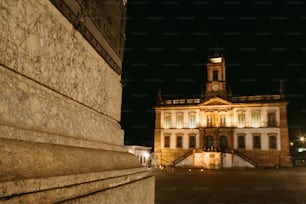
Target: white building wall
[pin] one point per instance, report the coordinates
(264, 132)
(173, 133)
(185, 113)
(248, 113)
(231, 120)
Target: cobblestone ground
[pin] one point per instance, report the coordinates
(277, 186)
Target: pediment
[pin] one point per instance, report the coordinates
(216, 101)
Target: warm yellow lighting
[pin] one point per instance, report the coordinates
(146, 155)
(216, 60)
(189, 170)
(202, 170)
(291, 143)
(302, 138)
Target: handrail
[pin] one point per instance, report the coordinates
(245, 157)
(182, 157)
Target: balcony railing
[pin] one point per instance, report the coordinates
(238, 99)
(256, 98)
(265, 124)
(181, 101)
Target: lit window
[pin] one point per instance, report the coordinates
(179, 142)
(191, 141)
(241, 119)
(222, 121)
(192, 120)
(256, 118)
(271, 119)
(256, 142)
(179, 120)
(167, 121)
(167, 141)
(209, 121)
(241, 142)
(272, 142)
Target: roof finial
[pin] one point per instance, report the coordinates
(216, 51)
(282, 88)
(159, 96)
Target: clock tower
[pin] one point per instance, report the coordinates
(216, 77)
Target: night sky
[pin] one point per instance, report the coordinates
(168, 43)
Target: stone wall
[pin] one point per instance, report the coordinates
(60, 106)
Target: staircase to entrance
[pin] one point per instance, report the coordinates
(182, 157)
(245, 157)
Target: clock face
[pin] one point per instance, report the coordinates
(215, 87)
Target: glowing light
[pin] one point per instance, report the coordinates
(146, 155)
(291, 143)
(302, 138)
(216, 60)
(189, 170)
(202, 170)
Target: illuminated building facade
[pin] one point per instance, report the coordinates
(220, 130)
(142, 153)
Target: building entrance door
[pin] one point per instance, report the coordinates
(223, 143)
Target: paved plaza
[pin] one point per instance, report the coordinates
(277, 186)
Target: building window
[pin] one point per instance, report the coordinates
(271, 119)
(209, 121)
(223, 143)
(209, 141)
(179, 141)
(256, 142)
(167, 141)
(241, 142)
(167, 121)
(272, 142)
(256, 118)
(241, 119)
(222, 121)
(215, 75)
(191, 141)
(179, 120)
(192, 120)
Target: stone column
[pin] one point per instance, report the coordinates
(201, 138)
(285, 158)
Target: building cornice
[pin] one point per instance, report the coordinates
(91, 19)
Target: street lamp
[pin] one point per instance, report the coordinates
(302, 140)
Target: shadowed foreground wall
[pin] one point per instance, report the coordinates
(60, 104)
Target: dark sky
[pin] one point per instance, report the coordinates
(168, 43)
